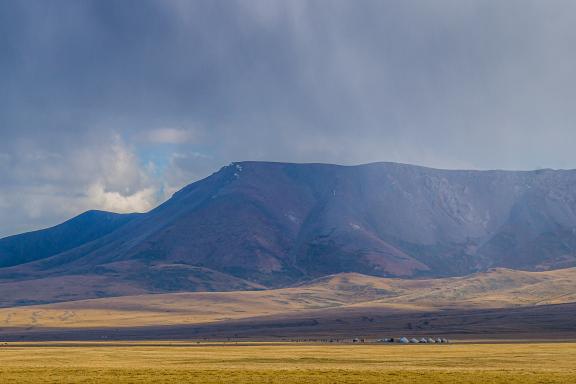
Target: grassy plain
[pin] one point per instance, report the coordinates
(171, 362)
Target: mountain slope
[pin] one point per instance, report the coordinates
(79, 230)
(275, 224)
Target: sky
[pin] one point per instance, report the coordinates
(115, 105)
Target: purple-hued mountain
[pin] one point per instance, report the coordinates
(258, 224)
(81, 229)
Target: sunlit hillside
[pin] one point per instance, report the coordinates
(499, 288)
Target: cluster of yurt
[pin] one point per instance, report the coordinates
(414, 340)
(424, 340)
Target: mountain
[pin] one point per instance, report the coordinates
(258, 224)
(37, 245)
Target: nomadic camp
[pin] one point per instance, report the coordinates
(405, 340)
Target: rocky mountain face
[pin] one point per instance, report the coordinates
(273, 224)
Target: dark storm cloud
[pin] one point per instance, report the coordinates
(115, 104)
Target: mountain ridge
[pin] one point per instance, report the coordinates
(273, 224)
(35, 245)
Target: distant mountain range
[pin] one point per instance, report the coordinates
(255, 225)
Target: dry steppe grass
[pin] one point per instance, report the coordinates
(499, 288)
(524, 363)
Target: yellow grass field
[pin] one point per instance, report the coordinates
(166, 362)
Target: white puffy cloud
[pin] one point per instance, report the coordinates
(47, 187)
(139, 201)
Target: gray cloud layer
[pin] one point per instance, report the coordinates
(115, 104)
